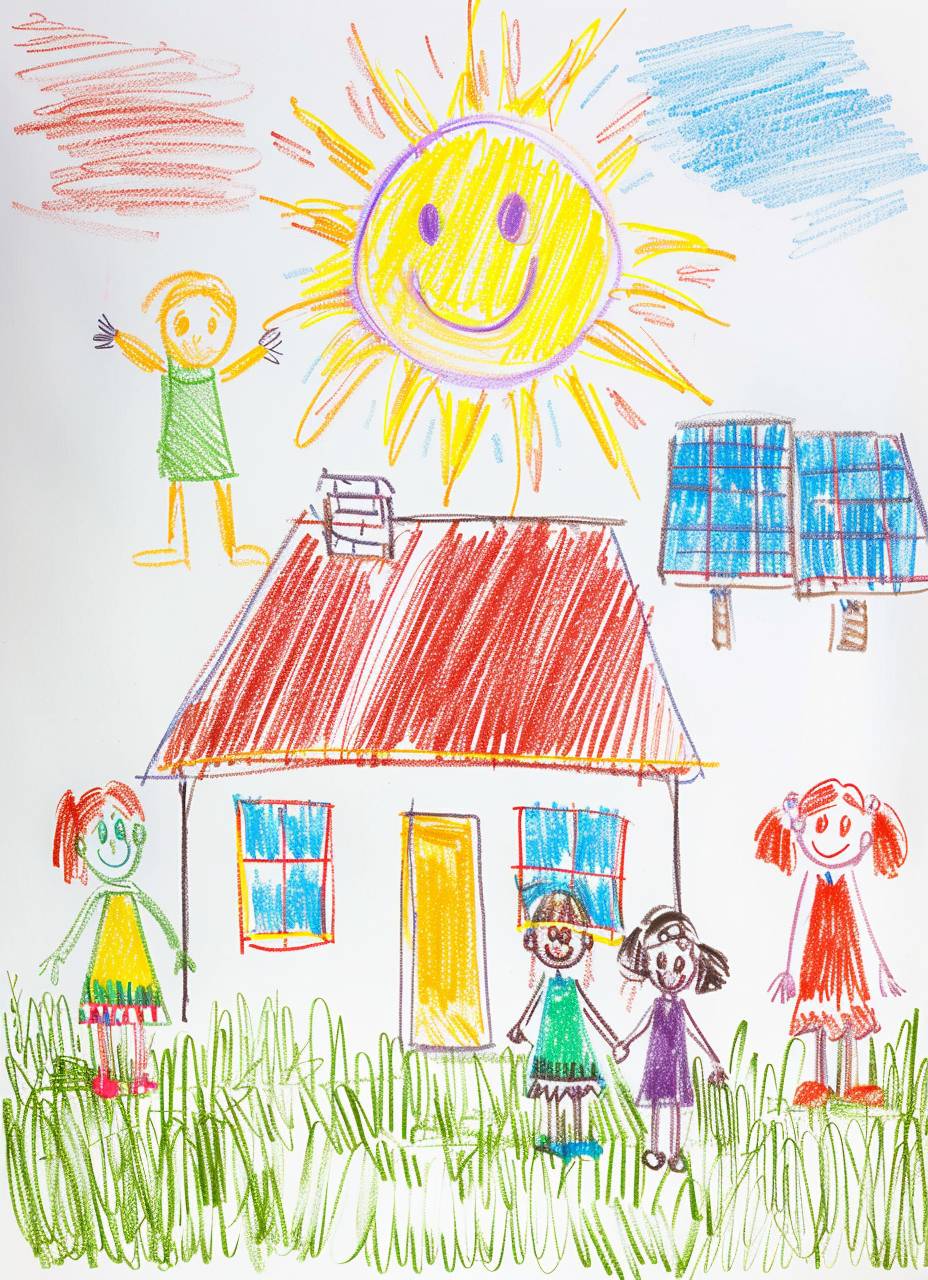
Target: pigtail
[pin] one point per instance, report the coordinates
(711, 969)
(773, 842)
(890, 842)
(632, 957)
(64, 848)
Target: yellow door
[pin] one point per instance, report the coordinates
(443, 978)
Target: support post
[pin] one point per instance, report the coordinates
(723, 622)
(675, 801)
(184, 894)
(852, 636)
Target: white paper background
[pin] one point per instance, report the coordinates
(97, 654)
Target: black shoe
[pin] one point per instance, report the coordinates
(653, 1159)
(677, 1163)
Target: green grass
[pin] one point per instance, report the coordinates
(271, 1136)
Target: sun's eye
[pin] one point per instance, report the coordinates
(181, 325)
(511, 217)
(429, 223)
(662, 960)
(101, 832)
(844, 825)
(821, 823)
(211, 324)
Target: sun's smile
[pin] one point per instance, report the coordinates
(472, 327)
(482, 268)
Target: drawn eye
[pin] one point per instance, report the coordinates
(678, 965)
(844, 825)
(211, 324)
(181, 325)
(662, 960)
(119, 829)
(429, 223)
(511, 217)
(821, 822)
(101, 832)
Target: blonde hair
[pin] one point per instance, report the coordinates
(187, 284)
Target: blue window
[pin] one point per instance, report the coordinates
(286, 882)
(578, 851)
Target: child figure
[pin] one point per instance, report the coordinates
(104, 831)
(665, 950)
(563, 1065)
(833, 826)
(196, 317)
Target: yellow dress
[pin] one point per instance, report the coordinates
(121, 985)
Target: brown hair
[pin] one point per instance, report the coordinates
(663, 924)
(561, 907)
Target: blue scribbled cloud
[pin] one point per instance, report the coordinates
(766, 112)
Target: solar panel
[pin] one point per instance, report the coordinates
(860, 513)
(728, 501)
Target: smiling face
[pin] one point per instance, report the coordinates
(837, 835)
(672, 964)
(196, 331)
(112, 846)
(485, 254)
(559, 946)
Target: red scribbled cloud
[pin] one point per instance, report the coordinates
(144, 128)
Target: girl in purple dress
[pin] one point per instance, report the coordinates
(665, 950)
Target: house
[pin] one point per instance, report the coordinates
(430, 649)
(751, 503)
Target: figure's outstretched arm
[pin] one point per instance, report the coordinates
(596, 1019)
(783, 985)
(182, 961)
(888, 984)
(134, 349)
(268, 347)
(70, 939)
(516, 1032)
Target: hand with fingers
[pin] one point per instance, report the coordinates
(888, 984)
(55, 960)
(516, 1035)
(105, 337)
(183, 961)
(783, 987)
(718, 1075)
(273, 345)
(620, 1051)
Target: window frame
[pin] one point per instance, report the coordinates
(286, 940)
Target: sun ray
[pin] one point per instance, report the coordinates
(656, 291)
(343, 154)
(526, 424)
(613, 345)
(331, 220)
(326, 292)
(660, 240)
(349, 358)
(412, 118)
(613, 167)
(462, 422)
(551, 92)
(408, 391)
(587, 400)
(468, 95)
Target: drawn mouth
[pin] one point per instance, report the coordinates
(837, 853)
(114, 866)
(557, 955)
(479, 328)
(672, 986)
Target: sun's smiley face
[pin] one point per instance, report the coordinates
(485, 253)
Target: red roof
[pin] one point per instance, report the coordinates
(506, 642)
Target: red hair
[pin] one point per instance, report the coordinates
(774, 842)
(75, 816)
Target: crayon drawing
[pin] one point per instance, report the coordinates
(484, 265)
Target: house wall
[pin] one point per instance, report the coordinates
(367, 850)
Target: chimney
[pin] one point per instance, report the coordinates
(357, 515)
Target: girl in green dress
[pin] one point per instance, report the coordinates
(563, 1066)
(104, 831)
(196, 316)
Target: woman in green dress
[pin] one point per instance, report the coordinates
(196, 316)
(563, 1066)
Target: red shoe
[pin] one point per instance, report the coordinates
(143, 1084)
(812, 1093)
(865, 1095)
(105, 1086)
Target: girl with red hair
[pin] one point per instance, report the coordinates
(104, 831)
(833, 826)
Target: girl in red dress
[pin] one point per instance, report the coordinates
(834, 827)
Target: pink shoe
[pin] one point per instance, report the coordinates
(105, 1086)
(143, 1084)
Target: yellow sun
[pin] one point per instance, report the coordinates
(483, 260)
